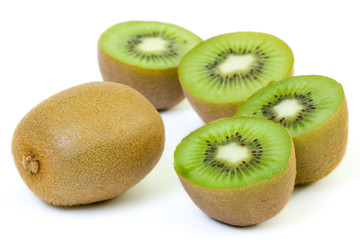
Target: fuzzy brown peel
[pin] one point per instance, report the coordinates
(161, 87)
(209, 111)
(320, 151)
(88, 143)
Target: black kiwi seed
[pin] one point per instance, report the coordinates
(134, 40)
(305, 99)
(240, 76)
(253, 145)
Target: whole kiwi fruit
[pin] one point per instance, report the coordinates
(88, 143)
(239, 170)
(145, 55)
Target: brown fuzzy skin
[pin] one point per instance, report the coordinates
(88, 143)
(211, 111)
(247, 205)
(161, 87)
(319, 151)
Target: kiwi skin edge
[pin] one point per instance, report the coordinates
(72, 149)
(248, 205)
(319, 151)
(160, 86)
(210, 111)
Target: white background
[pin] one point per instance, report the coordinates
(48, 46)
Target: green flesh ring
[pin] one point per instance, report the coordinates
(300, 103)
(229, 68)
(233, 152)
(150, 45)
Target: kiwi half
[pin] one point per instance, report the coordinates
(145, 56)
(313, 108)
(220, 73)
(88, 143)
(238, 170)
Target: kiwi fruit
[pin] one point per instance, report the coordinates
(88, 143)
(313, 108)
(222, 72)
(238, 170)
(145, 55)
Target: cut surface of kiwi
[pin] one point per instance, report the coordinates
(231, 67)
(299, 103)
(233, 153)
(151, 45)
(239, 170)
(313, 109)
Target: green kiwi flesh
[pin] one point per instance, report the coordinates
(151, 45)
(229, 68)
(306, 105)
(88, 143)
(145, 55)
(233, 159)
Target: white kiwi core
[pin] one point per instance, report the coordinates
(232, 153)
(234, 64)
(153, 45)
(288, 108)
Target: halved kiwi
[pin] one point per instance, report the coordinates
(145, 56)
(238, 170)
(220, 73)
(313, 108)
